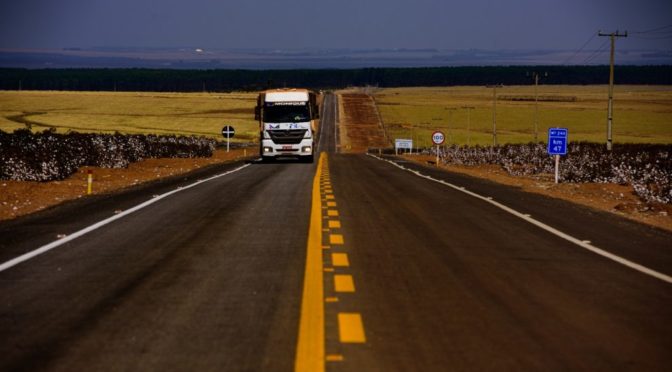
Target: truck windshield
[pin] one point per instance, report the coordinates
(281, 113)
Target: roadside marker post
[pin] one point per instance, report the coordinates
(557, 145)
(438, 138)
(228, 132)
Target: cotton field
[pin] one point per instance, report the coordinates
(648, 168)
(48, 156)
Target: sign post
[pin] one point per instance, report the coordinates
(228, 132)
(438, 138)
(557, 145)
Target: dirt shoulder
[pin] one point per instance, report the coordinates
(18, 198)
(360, 126)
(617, 199)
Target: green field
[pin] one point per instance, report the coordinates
(642, 114)
(202, 114)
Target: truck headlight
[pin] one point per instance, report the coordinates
(268, 149)
(306, 149)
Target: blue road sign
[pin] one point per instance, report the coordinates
(557, 141)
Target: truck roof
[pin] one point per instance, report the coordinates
(286, 95)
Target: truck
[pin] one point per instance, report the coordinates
(288, 121)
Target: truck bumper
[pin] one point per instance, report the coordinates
(269, 149)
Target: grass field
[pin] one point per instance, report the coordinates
(200, 114)
(642, 114)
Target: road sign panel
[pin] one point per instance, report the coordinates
(228, 131)
(438, 137)
(557, 141)
(402, 143)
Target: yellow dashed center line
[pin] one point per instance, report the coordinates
(334, 224)
(335, 239)
(334, 358)
(351, 328)
(344, 283)
(311, 355)
(340, 259)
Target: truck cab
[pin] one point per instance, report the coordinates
(287, 124)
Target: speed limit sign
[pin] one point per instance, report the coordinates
(438, 137)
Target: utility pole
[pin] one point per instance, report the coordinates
(450, 117)
(468, 108)
(536, 105)
(494, 112)
(610, 106)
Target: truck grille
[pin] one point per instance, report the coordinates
(287, 136)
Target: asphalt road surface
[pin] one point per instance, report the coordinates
(416, 275)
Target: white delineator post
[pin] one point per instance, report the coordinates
(557, 168)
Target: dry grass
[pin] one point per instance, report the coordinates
(202, 114)
(642, 114)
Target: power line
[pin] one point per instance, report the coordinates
(596, 53)
(652, 37)
(657, 29)
(579, 50)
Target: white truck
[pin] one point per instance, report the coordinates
(287, 123)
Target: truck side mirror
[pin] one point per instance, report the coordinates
(257, 113)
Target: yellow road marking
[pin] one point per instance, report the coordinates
(344, 283)
(351, 328)
(331, 299)
(332, 213)
(331, 204)
(340, 259)
(334, 224)
(334, 358)
(328, 269)
(336, 239)
(310, 356)
(329, 197)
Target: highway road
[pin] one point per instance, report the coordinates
(350, 264)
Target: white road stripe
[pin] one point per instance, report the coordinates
(45, 248)
(581, 243)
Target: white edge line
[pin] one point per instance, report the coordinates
(554, 231)
(46, 248)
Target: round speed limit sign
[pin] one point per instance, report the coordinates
(438, 137)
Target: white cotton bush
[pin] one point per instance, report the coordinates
(47, 156)
(647, 167)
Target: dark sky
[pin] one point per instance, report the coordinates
(294, 24)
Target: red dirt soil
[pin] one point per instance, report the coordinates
(19, 198)
(360, 123)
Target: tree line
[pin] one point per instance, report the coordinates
(170, 80)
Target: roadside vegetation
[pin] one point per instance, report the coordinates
(199, 114)
(50, 156)
(647, 168)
